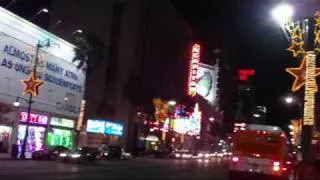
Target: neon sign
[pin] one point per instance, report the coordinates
(194, 64)
(34, 118)
(244, 74)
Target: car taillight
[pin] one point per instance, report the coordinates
(276, 166)
(235, 159)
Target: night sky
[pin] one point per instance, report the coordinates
(252, 37)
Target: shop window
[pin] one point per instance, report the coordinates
(5, 132)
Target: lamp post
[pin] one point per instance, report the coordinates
(297, 34)
(34, 70)
(43, 10)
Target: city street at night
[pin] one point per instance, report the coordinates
(131, 169)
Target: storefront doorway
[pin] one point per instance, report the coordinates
(35, 139)
(5, 134)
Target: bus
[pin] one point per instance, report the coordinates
(260, 150)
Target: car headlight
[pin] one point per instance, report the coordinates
(177, 155)
(207, 155)
(63, 154)
(105, 154)
(75, 155)
(200, 155)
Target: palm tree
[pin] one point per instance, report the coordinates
(89, 51)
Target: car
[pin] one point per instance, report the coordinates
(109, 152)
(51, 153)
(125, 155)
(204, 155)
(80, 155)
(182, 154)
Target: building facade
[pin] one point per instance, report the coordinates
(55, 110)
(146, 43)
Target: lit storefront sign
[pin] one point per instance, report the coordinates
(60, 137)
(34, 118)
(106, 127)
(113, 128)
(189, 125)
(95, 126)
(55, 121)
(194, 64)
(81, 115)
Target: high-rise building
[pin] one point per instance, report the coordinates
(146, 57)
(246, 105)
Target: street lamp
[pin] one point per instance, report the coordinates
(282, 13)
(172, 103)
(288, 100)
(78, 31)
(39, 45)
(211, 119)
(43, 10)
(17, 103)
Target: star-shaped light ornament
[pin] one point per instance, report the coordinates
(296, 48)
(297, 35)
(300, 76)
(317, 37)
(317, 19)
(32, 85)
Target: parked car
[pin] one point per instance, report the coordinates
(51, 153)
(125, 155)
(109, 152)
(79, 155)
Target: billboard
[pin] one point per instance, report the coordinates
(105, 127)
(95, 126)
(207, 81)
(113, 128)
(63, 86)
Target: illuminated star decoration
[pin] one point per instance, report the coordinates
(296, 46)
(317, 41)
(31, 85)
(317, 32)
(300, 76)
(317, 19)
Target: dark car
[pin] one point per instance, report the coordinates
(110, 152)
(80, 155)
(52, 153)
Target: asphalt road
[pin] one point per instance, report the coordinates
(142, 168)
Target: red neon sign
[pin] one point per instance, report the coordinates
(34, 118)
(244, 74)
(194, 64)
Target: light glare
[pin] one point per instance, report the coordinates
(282, 13)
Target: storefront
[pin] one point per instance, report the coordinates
(36, 132)
(100, 132)
(61, 132)
(60, 95)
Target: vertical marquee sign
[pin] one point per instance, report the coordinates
(194, 64)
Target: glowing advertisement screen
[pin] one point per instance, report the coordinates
(60, 137)
(207, 82)
(35, 139)
(113, 128)
(95, 126)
